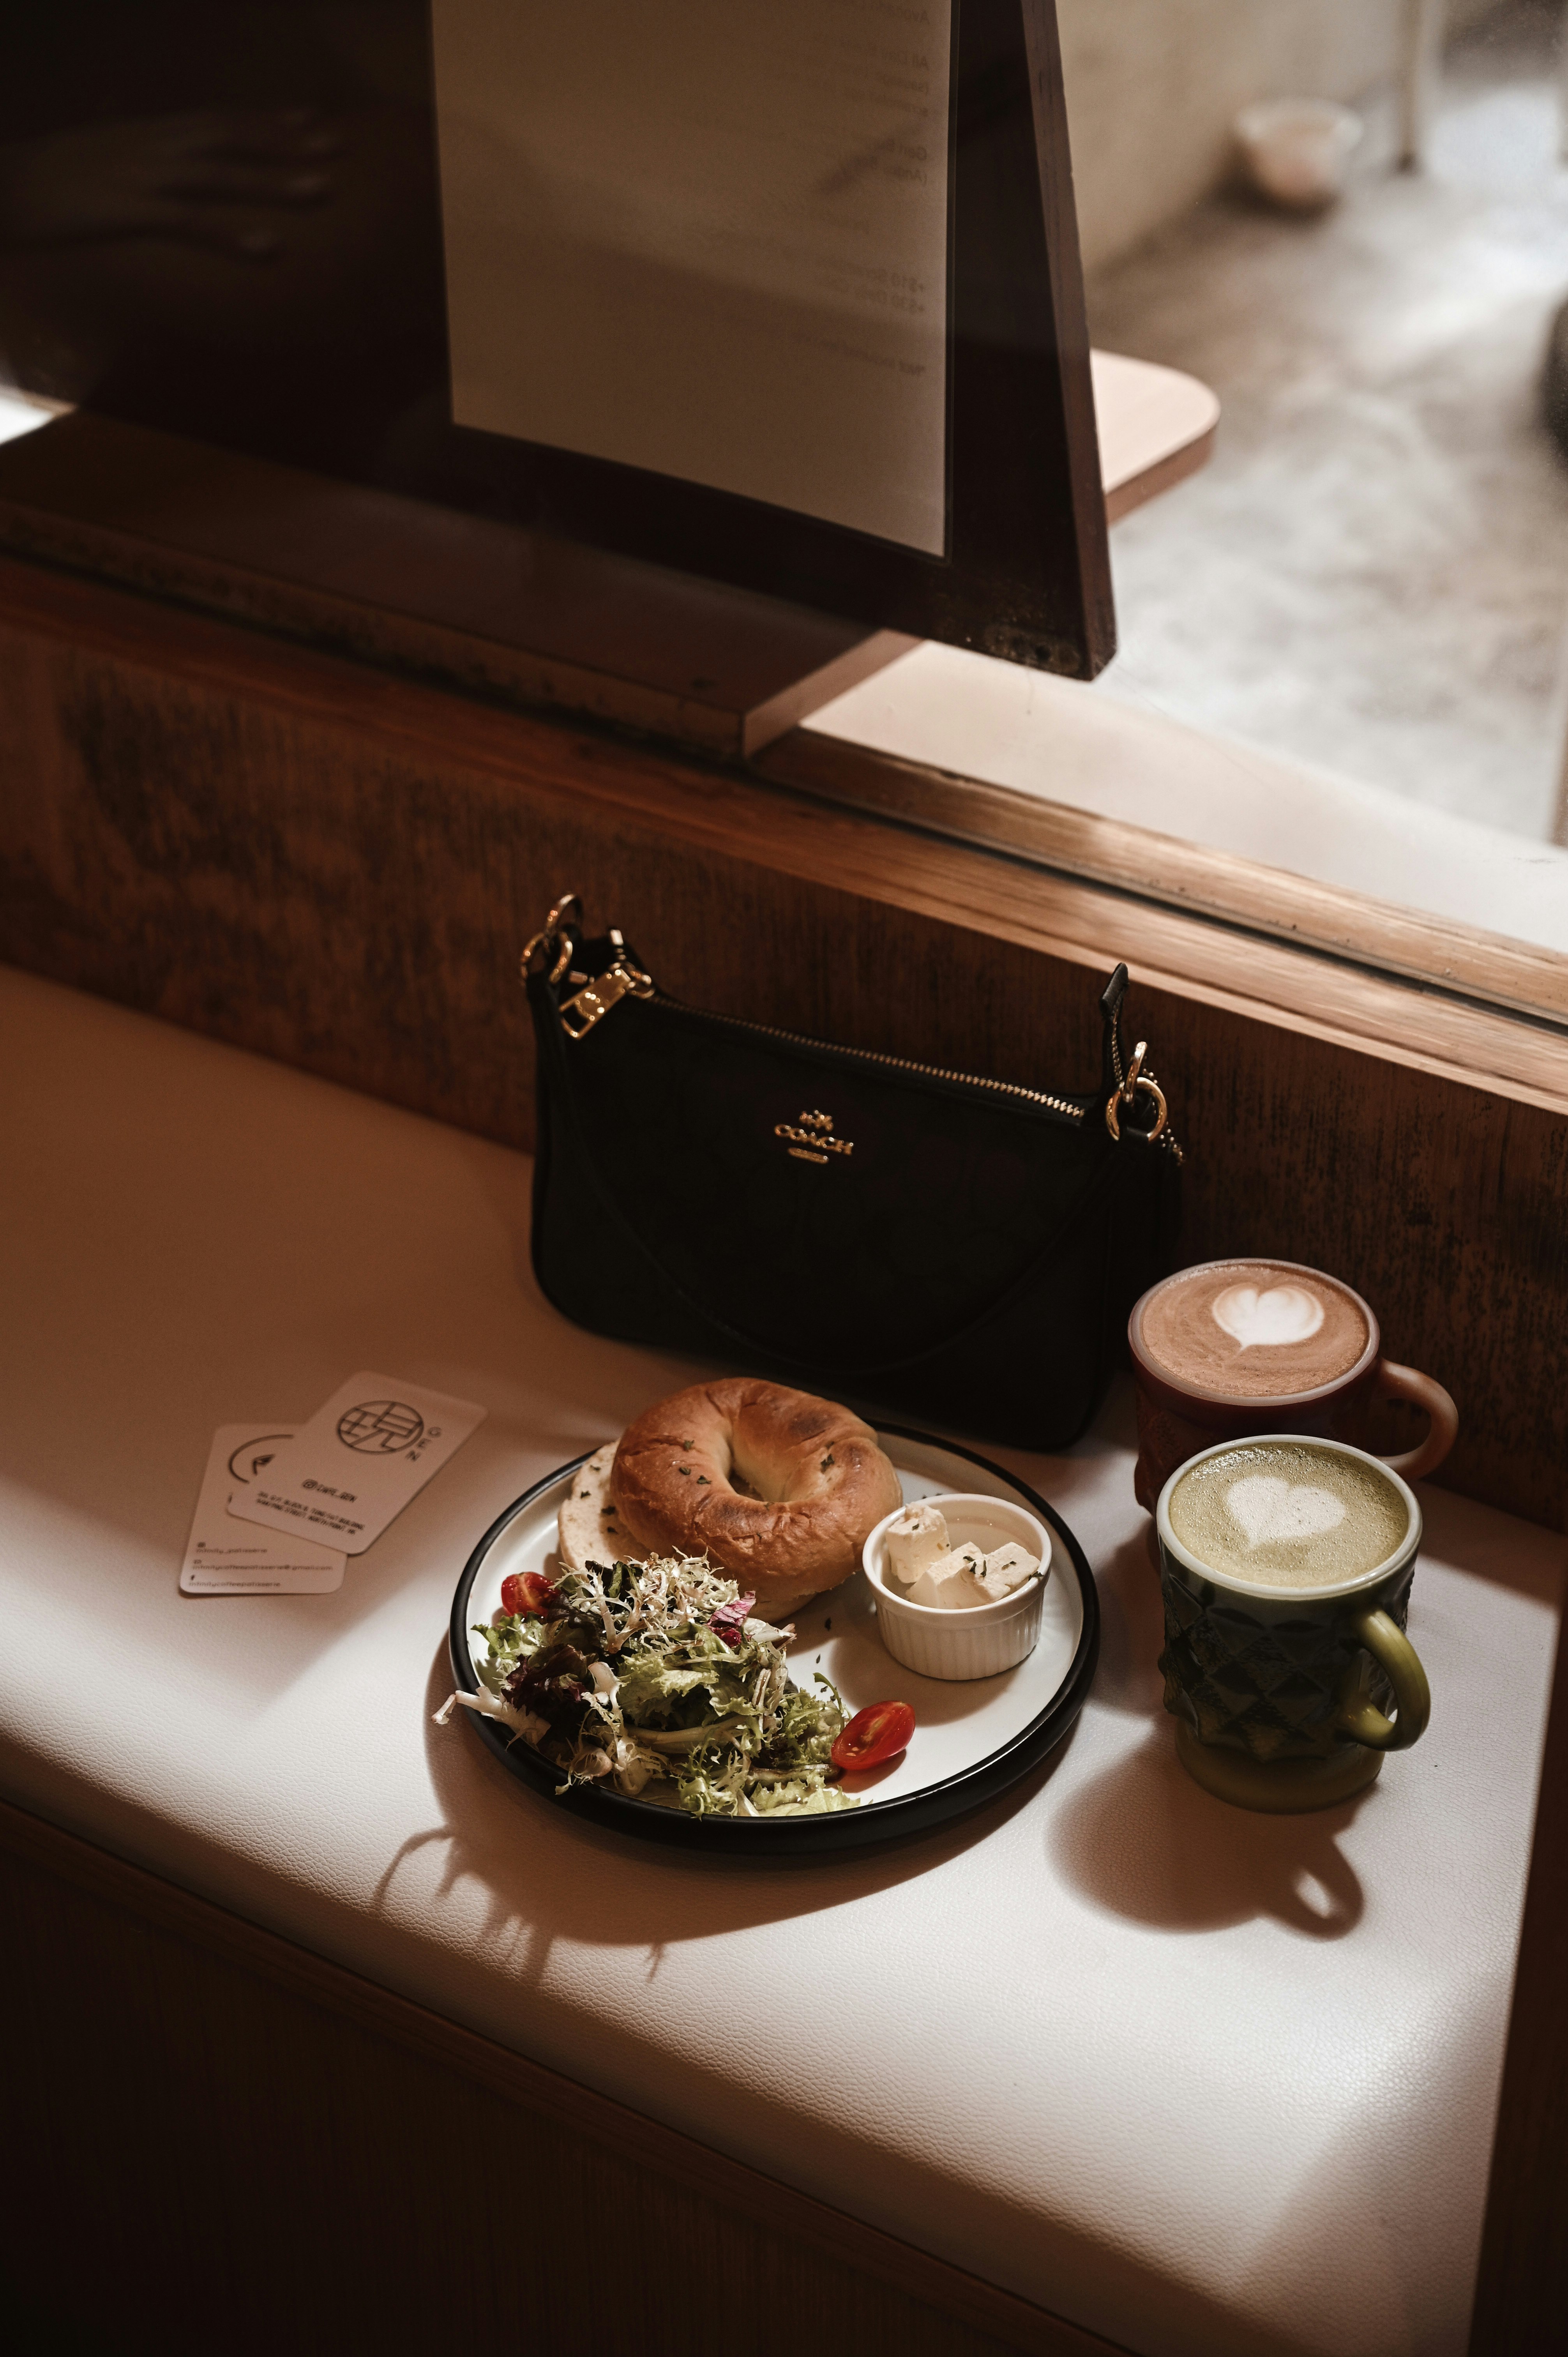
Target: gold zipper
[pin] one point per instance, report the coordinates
(873, 1056)
(581, 1013)
(594, 999)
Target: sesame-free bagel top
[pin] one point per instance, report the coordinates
(779, 1490)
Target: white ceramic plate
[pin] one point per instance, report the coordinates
(973, 1737)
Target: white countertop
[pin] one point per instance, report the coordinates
(1202, 2082)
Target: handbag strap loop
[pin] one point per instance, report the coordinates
(1125, 1082)
(554, 939)
(1136, 1082)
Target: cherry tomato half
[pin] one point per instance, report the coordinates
(526, 1591)
(878, 1732)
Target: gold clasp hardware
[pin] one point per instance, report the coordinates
(555, 935)
(1137, 1080)
(593, 1003)
(553, 946)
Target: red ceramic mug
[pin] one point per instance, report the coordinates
(1236, 1347)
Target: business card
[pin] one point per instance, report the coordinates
(226, 1557)
(353, 1467)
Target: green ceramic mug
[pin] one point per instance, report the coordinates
(1285, 1567)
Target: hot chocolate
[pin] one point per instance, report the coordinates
(1284, 1514)
(1251, 1329)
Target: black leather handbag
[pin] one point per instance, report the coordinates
(964, 1250)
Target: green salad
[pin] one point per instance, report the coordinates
(630, 1672)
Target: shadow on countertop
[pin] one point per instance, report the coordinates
(1148, 1844)
(499, 1834)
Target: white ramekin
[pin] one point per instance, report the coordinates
(988, 1638)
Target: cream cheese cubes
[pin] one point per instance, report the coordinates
(915, 1539)
(922, 1557)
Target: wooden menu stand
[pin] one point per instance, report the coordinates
(428, 592)
(526, 618)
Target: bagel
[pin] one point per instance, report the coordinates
(779, 1490)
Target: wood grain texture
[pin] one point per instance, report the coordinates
(461, 602)
(1460, 960)
(326, 2166)
(425, 592)
(715, 810)
(431, 593)
(338, 869)
(1521, 2293)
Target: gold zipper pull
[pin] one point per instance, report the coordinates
(594, 1002)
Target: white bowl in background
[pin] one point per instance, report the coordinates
(984, 1638)
(1298, 150)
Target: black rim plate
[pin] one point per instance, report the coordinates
(874, 1822)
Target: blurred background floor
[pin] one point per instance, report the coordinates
(1372, 574)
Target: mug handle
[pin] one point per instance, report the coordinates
(1361, 1720)
(1390, 1380)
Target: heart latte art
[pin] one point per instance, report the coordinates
(1269, 1507)
(1257, 1329)
(1285, 1313)
(1288, 1513)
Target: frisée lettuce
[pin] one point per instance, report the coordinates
(629, 1672)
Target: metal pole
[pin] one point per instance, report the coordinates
(1425, 22)
(1558, 822)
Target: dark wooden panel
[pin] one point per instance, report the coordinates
(338, 869)
(270, 2153)
(425, 592)
(1522, 2296)
(166, 674)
